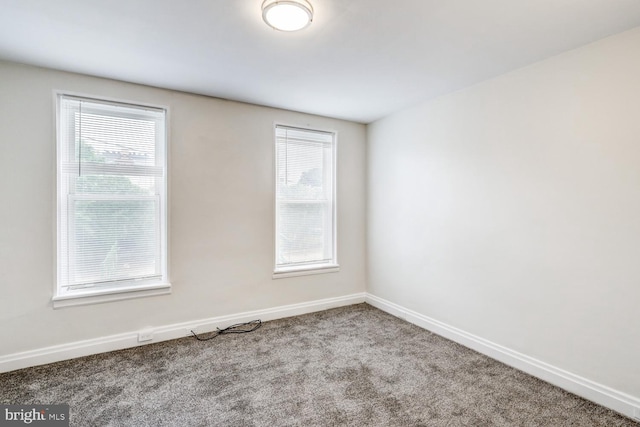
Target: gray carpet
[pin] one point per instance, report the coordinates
(351, 366)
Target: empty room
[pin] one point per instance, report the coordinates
(320, 213)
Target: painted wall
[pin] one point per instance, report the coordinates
(511, 210)
(221, 212)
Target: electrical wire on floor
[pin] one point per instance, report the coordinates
(238, 328)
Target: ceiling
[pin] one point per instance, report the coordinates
(360, 59)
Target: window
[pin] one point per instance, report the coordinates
(111, 199)
(305, 201)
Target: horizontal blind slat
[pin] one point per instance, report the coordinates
(91, 168)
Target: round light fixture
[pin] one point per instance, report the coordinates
(287, 15)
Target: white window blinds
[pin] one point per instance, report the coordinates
(111, 194)
(305, 199)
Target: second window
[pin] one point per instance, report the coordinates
(305, 200)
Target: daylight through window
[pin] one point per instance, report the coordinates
(111, 196)
(305, 199)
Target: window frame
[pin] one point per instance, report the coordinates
(314, 267)
(124, 289)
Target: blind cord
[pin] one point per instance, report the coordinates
(80, 143)
(238, 328)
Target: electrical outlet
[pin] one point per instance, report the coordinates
(145, 335)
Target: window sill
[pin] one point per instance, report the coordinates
(93, 296)
(305, 271)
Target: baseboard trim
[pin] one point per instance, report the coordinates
(72, 350)
(618, 401)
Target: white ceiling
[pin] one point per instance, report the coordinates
(360, 59)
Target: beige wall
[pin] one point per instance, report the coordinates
(511, 210)
(221, 212)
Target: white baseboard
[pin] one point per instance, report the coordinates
(598, 393)
(620, 402)
(72, 350)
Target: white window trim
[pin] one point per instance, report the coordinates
(282, 273)
(308, 268)
(98, 294)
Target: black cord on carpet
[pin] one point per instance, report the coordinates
(238, 328)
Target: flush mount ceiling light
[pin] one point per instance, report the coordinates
(287, 15)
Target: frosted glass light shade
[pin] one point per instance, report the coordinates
(287, 15)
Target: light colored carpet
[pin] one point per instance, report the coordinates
(351, 366)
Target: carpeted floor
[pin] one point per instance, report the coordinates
(351, 366)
